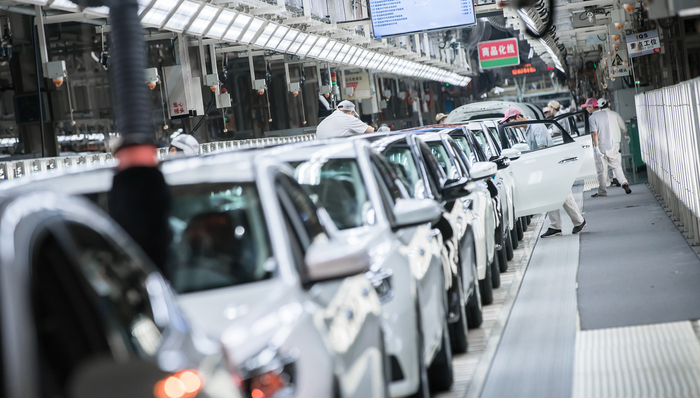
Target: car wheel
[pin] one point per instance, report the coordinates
(509, 247)
(458, 329)
(475, 316)
(519, 229)
(514, 237)
(495, 272)
(529, 219)
(486, 287)
(503, 259)
(440, 373)
(423, 381)
(523, 222)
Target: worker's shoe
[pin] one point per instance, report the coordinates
(551, 232)
(579, 228)
(597, 195)
(615, 183)
(627, 189)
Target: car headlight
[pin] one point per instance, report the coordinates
(270, 374)
(382, 282)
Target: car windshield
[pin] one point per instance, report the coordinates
(337, 185)
(404, 165)
(219, 237)
(464, 146)
(484, 142)
(440, 153)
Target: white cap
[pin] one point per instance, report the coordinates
(602, 102)
(546, 109)
(554, 104)
(347, 106)
(187, 144)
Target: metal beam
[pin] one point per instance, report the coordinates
(70, 17)
(583, 4)
(43, 49)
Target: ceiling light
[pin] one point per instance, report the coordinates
(266, 34)
(353, 50)
(222, 23)
(307, 45)
(234, 32)
(277, 37)
(296, 44)
(182, 17)
(318, 47)
(287, 40)
(158, 12)
(203, 20)
(255, 25)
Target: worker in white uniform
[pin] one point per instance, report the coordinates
(538, 138)
(342, 123)
(601, 123)
(618, 128)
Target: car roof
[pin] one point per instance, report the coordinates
(488, 110)
(331, 149)
(219, 167)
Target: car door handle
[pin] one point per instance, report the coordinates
(586, 146)
(569, 160)
(433, 233)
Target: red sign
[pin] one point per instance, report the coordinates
(525, 69)
(498, 53)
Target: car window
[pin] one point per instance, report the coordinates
(394, 187)
(401, 160)
(460, 158)
(435, 173)
(463, 145)
(495, 137)
(542, 135)
(443, 159)
(220, 238)
(483, 142)
(90, 299)
(337, 185)
(302, 207)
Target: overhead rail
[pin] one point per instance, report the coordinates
(226, 25)
(669, 135)
(28, 167)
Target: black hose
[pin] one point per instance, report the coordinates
(132, 103)
(206, 113)
(548, 24)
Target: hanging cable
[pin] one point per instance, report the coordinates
(162, 104)
(548, 24)
(70, 103)
(269, 112)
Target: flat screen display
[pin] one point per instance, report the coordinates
(401, 17)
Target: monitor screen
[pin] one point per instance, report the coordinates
(400, 17)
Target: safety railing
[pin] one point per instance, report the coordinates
(669, 135)
(22, 168)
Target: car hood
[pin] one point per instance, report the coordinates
(245, 318)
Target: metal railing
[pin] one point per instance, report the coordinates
(21, 168)
(669, 135)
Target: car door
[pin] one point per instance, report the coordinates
(582, 135)
(543, 177)
(351, 315)
(426, 266)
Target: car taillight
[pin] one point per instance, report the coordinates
(183, 384)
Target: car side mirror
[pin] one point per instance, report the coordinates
(335, 259)
(484, 170)
(501, 162)
(455, 189)
(104, 377)
(511, 153)
(522, 147)
(413, 212)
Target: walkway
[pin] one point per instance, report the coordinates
(606, 314)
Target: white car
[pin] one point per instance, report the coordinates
(490, 110)
(476, 209)
(371, 207)
(258, 267)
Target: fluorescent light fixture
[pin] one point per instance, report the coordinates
(142, 5)
(307, 45)
(381, 62)
(183, 15)
(222, 23)
(234, 32)
(327, 50)
(296, 45)
(255, 25)
(103, 11)
(334, 52)
(64, 5)
(318, 47)
(277, 37)
(266, 34)
(353, 50)
(342, 53)
(287, 40)
(367, 59)
(203, 20)
(358, 56)
(158, 12)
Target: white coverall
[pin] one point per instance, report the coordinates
(617, 128)
(605, 124)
